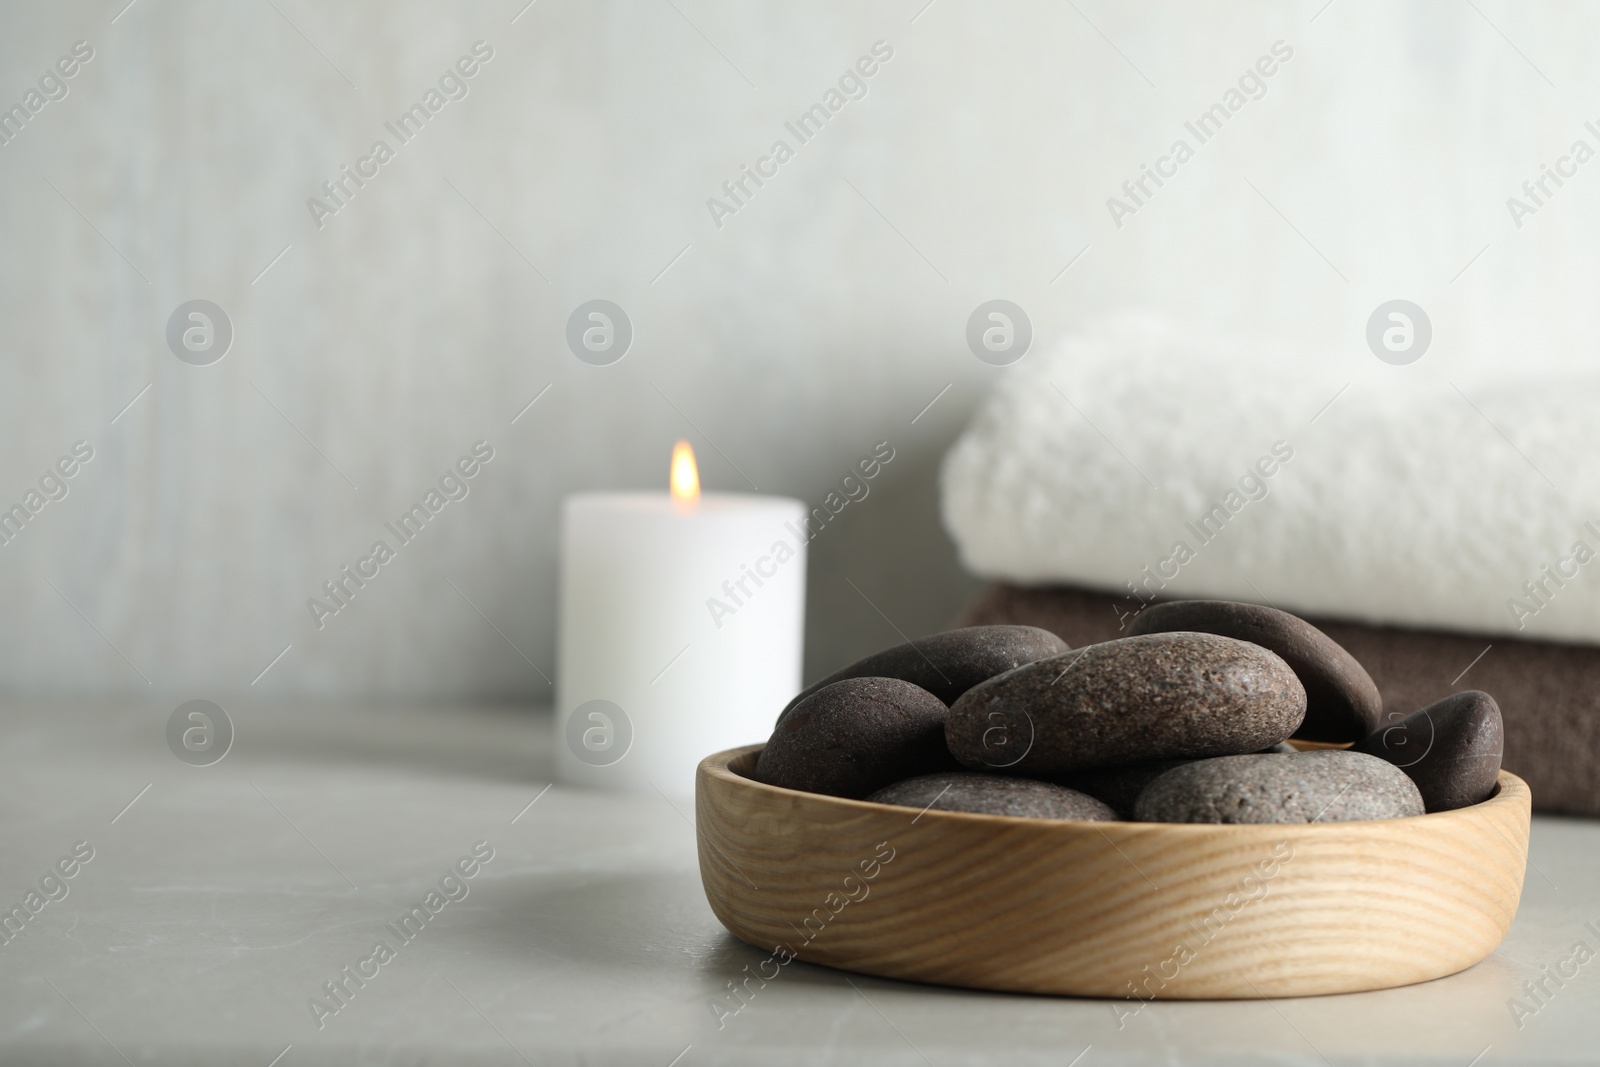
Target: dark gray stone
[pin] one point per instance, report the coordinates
(854, 737)
(948, 664)
(1451, 749)
(993, 794)
(1342, 701)
(1120, 786)
(1328, 785)
(1162, 696)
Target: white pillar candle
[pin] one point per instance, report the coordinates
(682, 622)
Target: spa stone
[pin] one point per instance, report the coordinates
(1342, 701)
(1330, 785)
(993, 794)
(856, 736)
(1160, 696)
(1451, 749)
(948, 664)
(1120, 786)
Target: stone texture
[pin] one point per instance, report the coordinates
(994, 794)
(1329, 785)
(1342, 701)
(948, 664)
(1451, 749)
(1120, 786)
(1161, 696)
(856, 736)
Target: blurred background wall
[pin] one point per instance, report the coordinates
(371, 351)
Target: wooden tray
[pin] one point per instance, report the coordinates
(1108, 909)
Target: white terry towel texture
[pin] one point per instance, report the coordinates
(1142, 459)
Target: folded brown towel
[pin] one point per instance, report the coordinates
(1549, 694)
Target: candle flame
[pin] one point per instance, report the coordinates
(685, 476)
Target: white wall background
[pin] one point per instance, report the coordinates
(819, 320)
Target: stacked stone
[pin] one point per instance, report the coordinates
(1187, 719)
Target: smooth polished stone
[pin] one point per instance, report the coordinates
(1452, 748)
(1161, 696)
(1342, 701)
(993, 794)
(1328, 785)
(854, 737)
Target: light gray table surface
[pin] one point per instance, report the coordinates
(217, 904)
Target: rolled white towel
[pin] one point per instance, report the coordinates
(1140, 458)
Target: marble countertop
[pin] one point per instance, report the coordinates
(207, 907)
